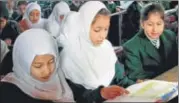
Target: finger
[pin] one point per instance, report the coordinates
(113, 95)
(126, 92)
(123, 91)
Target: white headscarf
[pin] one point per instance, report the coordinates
(30, 7)
(26, 47)
(4, 50)
(54, 22)
(82, 62)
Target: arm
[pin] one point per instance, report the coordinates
(133, 65)
(121, 78)
(83, 95)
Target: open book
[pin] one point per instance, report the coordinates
(149, 91)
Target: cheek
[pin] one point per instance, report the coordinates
(93, 36)
(147, 29)
(31, 18)
(161, 28)
(35, 73)
(52, 67)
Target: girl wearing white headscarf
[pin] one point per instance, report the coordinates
(54, 21)
(19, 86)
(39, 22)
(90, 69)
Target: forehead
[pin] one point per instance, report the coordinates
(41, 58)
(101, 20)
(154, 17)
(35, 11)
(22, 5)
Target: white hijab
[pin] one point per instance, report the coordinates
(30, 7)
(54, 22)
(82, 62)
(4, 50)
(26, 47)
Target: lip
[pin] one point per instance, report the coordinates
(47, 77)
(154, 33)
(99, 41)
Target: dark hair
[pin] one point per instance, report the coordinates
(22, 3)
(151, 8)
(104, 12)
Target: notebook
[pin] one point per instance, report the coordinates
(149, 91)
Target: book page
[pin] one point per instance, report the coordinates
(148, 91)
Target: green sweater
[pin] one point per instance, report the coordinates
(144, 61)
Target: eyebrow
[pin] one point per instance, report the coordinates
(37, 63)
(51, 59)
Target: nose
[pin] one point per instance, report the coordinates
(46, 71)
(154, 28)
(35, 18)
(102, 35)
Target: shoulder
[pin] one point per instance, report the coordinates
(10, 93)
(169, 34)
(9, 90)
(107, 42)
(12, 22)
(133, 43)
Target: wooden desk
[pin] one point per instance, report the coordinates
(171, 75)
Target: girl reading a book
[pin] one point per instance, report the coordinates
(88, 59)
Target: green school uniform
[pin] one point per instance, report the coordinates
(144, 61)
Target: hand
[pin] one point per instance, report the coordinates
(8, 41)
(23, 25)
(139, 81)
(112, 91)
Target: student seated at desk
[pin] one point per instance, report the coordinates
(88, 59)
(32, 18)
(154, 49)
(9, 29)
(34, 78)
(56, 17)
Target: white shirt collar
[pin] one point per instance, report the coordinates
(157, 45)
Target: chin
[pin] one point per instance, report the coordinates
(155, 37)
(97, 44)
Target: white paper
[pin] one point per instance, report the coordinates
(148, 91)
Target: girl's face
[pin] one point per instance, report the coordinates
(42, 67)
(99, 29)
(22, 8)
(3, 22)
(154, 26)
(34, 16)
(61, 17)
